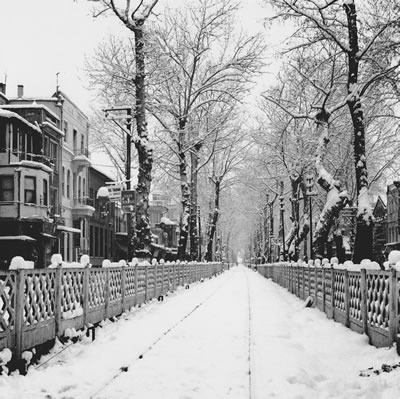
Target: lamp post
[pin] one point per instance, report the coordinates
(125, 113)
(310, 193)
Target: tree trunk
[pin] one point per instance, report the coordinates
(303, 233)
(363, 240)
(213, 225)
(293, 253)
(145, 152)
(193, 228)
(185, 192)
(336, 197)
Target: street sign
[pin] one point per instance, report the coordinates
(114, 192)
(128, 201)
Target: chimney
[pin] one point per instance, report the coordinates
(3, 88)
(20, 91)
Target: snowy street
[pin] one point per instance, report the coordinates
(235, 336)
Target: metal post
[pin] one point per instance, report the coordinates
(311, 229)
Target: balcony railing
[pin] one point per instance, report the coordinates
(82, 151)
(83, 201)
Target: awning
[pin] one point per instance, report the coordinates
(68, 229)
(16, 238)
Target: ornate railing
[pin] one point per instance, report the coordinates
(367, 301)
(39, 305)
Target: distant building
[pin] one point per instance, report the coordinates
(379, 230)
(393, 217)
(30, 141)
(105, 222)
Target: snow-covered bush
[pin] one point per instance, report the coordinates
(154, 262)
(106, 263)
(317, 263)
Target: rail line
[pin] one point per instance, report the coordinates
(126, 367)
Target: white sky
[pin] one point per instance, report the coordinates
(42, 37)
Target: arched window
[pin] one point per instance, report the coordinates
(68, 183)
(84, 187)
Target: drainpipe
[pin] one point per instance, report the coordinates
(18, 170)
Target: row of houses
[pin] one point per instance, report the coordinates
(48, 187)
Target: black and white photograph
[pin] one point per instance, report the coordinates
(200, 199)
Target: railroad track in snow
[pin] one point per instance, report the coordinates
(251, 343)
(127, 366)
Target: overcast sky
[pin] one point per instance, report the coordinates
(42, 37)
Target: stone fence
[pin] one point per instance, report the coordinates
(37, 305)
(366, 301)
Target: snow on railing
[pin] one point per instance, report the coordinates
(363, 297)
(37, 305)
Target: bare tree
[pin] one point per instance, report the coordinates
(203, 62)
(368, 51)
(134, 15)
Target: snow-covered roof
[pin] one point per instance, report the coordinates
(34, 165)
(167, 221)
(55, 128)
(9, 114)
(17, 238)
(31, 105)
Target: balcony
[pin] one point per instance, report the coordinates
(83, 207)
(81, 157)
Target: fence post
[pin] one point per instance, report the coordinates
(173, 277)
(298, 281)
(323, 290)
(346, 298)
(393, 300)
(136, 284)
(123, 288)
(316, 286)
(333, 292)
(107, 294)
(57, 299)
(155, 280)
(146, 282)
(364, 309)
(19, 311)
(85, 294)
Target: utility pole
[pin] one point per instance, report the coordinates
(124, 113)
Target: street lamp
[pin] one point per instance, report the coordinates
(310, 193)
(124, 113)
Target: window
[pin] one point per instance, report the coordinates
(74, 138)
(30, 190)
(7, 188)
(65, 130)
(63, 181)
(45, 192)
(68, 183)
(82, 143)
(79, 189)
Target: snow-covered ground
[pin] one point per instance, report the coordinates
(235, 336)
